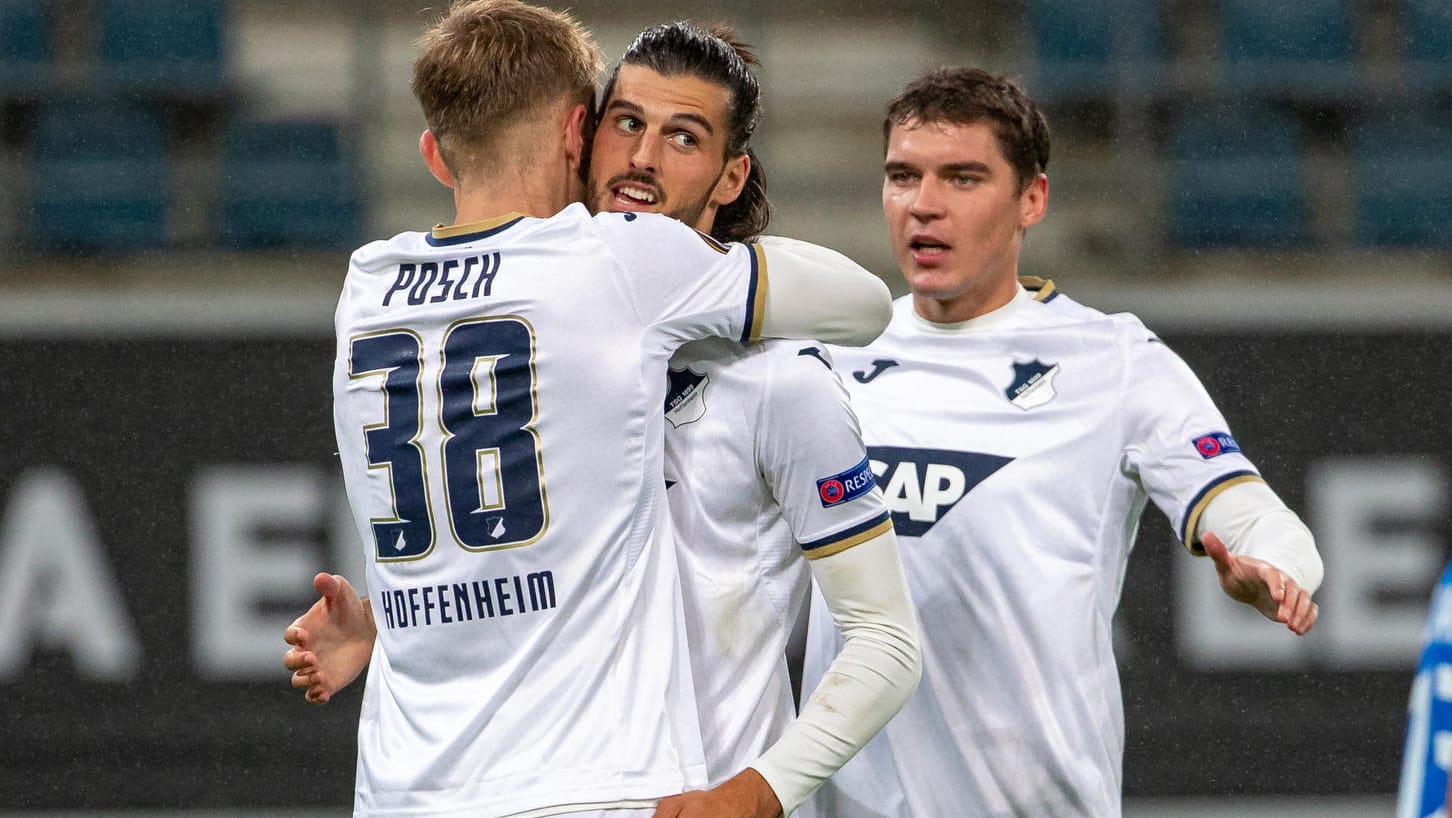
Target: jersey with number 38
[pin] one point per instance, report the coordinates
(497, 396)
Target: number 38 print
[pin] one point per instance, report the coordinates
(493, 478)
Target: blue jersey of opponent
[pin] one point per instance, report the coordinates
(1428, 750)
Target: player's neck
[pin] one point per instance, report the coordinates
(972, 304)
(483, 208)
(528, 196)
(523, 178)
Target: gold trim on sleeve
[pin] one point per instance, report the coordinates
(847, 542)
(1192, 542)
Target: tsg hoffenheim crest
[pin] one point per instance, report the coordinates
(1033, 384)
(686, 396)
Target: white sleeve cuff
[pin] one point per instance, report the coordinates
(869, 680)
(1255, 523)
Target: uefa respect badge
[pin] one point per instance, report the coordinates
(1215, 444)
(846, 486)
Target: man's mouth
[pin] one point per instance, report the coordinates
(927, 246)
(630, 192)
(635, 193)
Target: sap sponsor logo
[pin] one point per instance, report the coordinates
(921, 485)
(1215, 444)
(1033, 384)
(847, 486)
(686, 396)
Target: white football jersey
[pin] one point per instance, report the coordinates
(764, 465)
(1016, 452)
(497, 395)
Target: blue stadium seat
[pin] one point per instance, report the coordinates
(1427, 29)
(1080, 45)
(162, 45)
(1403, 177)
(1304, 47)
(1238, 179)
(26, 53)
(288, 184)
(101, 177)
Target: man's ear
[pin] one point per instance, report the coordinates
(577, 135)
(1033, 202)
(732, 181)
(428, 147)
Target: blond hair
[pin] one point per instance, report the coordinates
(487, 64)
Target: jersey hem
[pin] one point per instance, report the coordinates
(567, 800)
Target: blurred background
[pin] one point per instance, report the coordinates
(1267, 184)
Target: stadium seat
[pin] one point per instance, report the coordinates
(1081, 45)
(288, 184)
(1427, 30)
(101, 176)
(1306, 47)
(26, 53)
(1238, 179)
(176, 46)
(1403, 178)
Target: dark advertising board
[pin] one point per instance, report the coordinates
(168, 497)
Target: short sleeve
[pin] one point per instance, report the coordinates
(810, 451)
(685, 281)
(1176, 439)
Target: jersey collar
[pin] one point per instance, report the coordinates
(982, 323)
(444, 236)
(1043, 289)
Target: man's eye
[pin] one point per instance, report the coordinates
(965, 180)
(629, 124)
(899, 177)
(685, 140)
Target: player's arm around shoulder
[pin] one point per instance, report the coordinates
(815, 292)
(789, 289)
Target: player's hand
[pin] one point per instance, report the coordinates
(1263, 586)
(744, 795)
(332, 642)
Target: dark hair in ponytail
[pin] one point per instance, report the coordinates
(716, 55)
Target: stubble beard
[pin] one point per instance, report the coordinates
(689, 213)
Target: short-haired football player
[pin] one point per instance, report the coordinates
(497, 393)
(1017, 436)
